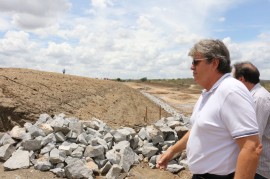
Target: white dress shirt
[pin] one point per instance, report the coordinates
(262, 100)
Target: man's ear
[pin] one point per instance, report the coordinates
(242, 79)
(215, 63)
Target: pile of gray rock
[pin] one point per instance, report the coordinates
(72, 148)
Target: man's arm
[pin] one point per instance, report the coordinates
(170, 153)
(248, 157)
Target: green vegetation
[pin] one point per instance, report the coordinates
(179, 82)
(266, 84)
(184, 82)
(144, 79)
(118, 79)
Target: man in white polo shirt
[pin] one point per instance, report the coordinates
(249, 75)
(223, 141)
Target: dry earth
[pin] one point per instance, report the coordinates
(179, 97)
(24, 94)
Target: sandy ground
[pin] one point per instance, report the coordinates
(24, 94)
(182, 100)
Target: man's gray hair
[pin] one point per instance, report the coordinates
(213, 49)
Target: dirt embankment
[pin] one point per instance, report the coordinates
(24, 94)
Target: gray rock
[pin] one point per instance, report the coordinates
(32, 145)
(47, 148)
(66, 149)
(47, 128)
(48, 139)
(57, 156)
(93, 132)
(175, 168)
(60, 165)
(93, 124)
(6, 151)
(59, 124)
(114, 172)
(154, 135)
(43, 164)
(118, 136)
(43, 118)
(127, 131)
(128, 158)
(153, 159)
(142, 133)
(134, 142)
(77, 127)
(6, 139)
(74, 146)
(78, 169)
(60, 137)
(113, 156)
(108, 137)
(27, 126)
(81, 139)
(168, 133)
(19, 159)
(149, 151)
(72, 135)
(121, 145)
(17, 132)
(94, 151)
(78, 153)
(35, 131)
(70, 160)
(27, 136)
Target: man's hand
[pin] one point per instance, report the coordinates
(164, 159)
(178, 147)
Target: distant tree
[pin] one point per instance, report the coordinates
(118, 79)
(143, 79)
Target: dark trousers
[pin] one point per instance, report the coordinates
(257, 176)
(212, 176)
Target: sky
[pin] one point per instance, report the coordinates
(129, 39)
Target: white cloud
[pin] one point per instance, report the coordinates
(257, 52)
(4, 24)
(59, 50)
(126, 39)
(264, 36)
(101, 3)
(17, 42)
(31, 14)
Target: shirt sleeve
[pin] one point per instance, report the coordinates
(238, 114)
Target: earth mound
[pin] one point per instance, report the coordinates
(25, 94)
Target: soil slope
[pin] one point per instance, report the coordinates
(25, 94)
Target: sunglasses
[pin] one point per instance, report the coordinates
(195, 62)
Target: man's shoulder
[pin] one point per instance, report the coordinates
(231, 84)
(261, 91)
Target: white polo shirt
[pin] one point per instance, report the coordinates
(221, 115)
